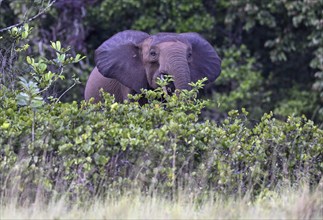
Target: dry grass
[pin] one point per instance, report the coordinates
(285, 204)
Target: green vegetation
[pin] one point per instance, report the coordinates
(271, 50)
(88, 149)
(169, 158)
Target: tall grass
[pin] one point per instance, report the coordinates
(284, 203)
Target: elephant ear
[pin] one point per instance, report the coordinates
(205, 60)
(119, 58)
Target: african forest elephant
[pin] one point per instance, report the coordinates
(131, 60)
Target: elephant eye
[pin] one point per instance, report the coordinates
(153, 53)
(189, 55)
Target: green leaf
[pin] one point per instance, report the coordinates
(22, 80)
(24, 34)
(14, 30)
(23, 99)
(62, 77)
(36, 102)
(58, 45)
(42, 67)
(49, 76)
(77, 57)
(29, 60)
(26, 27)
(61, 58)
(65, 147)
(5, 125)
(102, 160)
(53, 45)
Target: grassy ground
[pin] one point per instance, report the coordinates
(284, 204)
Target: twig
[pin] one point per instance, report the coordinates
(33, 129)
(65, 92)
(30, 19)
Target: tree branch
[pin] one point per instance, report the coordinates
(30, 19)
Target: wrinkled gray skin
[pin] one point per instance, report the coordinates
(131, 60)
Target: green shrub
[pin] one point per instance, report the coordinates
(240, 85)
(85, 148)
(89, 148)
(299, 102)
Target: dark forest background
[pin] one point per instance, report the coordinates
(272, 51)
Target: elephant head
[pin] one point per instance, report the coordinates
(131, 60)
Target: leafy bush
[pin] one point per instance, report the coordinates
(90, 148)
(284, 39)
(86, 148)
(299, 102)
(240, 84)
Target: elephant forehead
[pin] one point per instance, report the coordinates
(170, 45)
(163, 46)
(147, 42)
(167, 37)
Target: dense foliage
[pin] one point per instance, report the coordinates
(159, 145)
(280, 44)
(50, 146)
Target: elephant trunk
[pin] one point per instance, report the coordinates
(179, 69)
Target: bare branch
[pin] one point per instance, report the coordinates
(30, 19)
